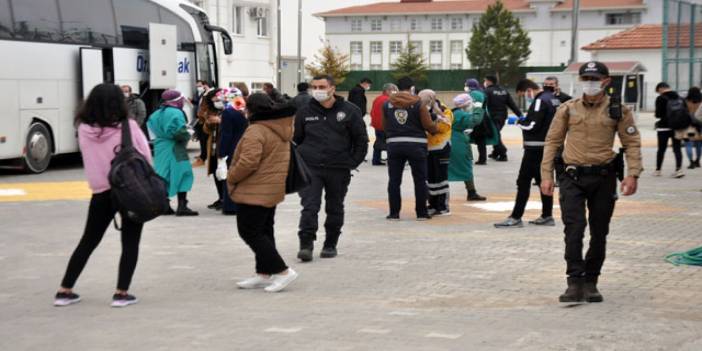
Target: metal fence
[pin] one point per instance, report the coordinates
(682, 44)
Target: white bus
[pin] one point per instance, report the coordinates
(52, 52)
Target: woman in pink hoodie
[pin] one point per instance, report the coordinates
(99, 135)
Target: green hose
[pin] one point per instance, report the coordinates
(692, 257)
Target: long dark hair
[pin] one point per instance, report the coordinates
(104, 107)
(694, 95)
(208, 99)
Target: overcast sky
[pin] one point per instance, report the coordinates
(312, 27)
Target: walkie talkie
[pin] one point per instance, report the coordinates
(615, 104)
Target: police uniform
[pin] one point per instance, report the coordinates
(590, 179)
(405, 125)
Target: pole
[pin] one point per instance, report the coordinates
(574, 32)
(299, 41)
(664, 44)
(278, 61)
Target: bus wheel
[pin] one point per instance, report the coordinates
(38, 148)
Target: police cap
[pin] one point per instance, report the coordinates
(594, 69)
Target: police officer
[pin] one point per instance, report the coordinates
(332, 139)
(497, 100)
(590, 180)
(534, 129)
(406, 122)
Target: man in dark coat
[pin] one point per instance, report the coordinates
(357, 95)
(497, 100)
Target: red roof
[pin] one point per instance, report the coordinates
(465, 6)
(646, 36)
(614, 67)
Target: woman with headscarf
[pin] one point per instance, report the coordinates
(210, 113)
(231, 129)
(465, 117)
(169, 126)
(439, 147)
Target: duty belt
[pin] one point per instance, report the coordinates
(574, 171)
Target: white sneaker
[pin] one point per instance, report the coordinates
(678, 174)
(656, 173)
(280, 282)
(256, 282)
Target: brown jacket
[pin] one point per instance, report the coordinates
(260, 163)
(211, 129)
(404, 99)
(590, 137)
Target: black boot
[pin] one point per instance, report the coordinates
(329, 249)
(472, 193)
(306, 249)
(574, 292)
(183, 210)
(590, 292)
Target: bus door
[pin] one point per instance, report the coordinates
(92, 69)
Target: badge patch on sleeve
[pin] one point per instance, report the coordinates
(631, 130)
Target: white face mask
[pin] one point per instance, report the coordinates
(219, 105)
(127, 95)
(466, 89)
(591, 88)
(200, 90)
(320, 95)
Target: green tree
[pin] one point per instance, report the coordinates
(410, 63)
(499, 44)
(330, 61)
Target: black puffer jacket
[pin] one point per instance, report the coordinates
(334, 138)
(662, 108)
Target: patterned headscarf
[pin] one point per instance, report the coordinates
(173, 98)
(233, 98)
(463, 100)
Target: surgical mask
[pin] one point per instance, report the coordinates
(320, 95)
(126, 95)
(466, 89)
(591, 88)
(200, 90)
(366, 88)
(467, 108)
(529, 99)
(219, 105)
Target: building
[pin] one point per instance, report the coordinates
(374, 35)
(644, 43)
(252, 25)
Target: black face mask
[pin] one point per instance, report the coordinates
(549, 89)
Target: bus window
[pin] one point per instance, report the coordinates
(186, 41)
(133, 18)
(5, 20)
(88, 22)
(36, 20)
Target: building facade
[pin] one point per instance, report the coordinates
(252, 25)
(374, 35)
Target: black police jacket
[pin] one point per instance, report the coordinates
(497, 100)
(333, 138)
(538, 120)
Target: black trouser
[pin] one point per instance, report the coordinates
(598, 194)
(437, 178)
(100, 215)
(416, 155)
(663, 137)
(335, 184)
(530, 169)
(202, 138)
(482, 149)
(255, 226)
(499, 149)
(378, 147)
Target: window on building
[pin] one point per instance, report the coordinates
(456, 47)
(237, 20)
(376, 25)
(356, 59)
(256, 87)
(415, 46)
(456, 23)
(356, 25)
(456, 66)
(395, 48)
(435, 46)
(376, 51)
(395, 25)
(614, 19)
(437, 23)
(262, 24)
(415, 24)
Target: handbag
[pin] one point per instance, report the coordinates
(299, 176)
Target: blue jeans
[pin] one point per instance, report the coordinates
(698, 149)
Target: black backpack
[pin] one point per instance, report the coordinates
(678, 115)
(299, 176)
(137, 191)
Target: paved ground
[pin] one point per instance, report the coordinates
(452, 283)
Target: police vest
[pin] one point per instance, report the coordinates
(403, 125)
